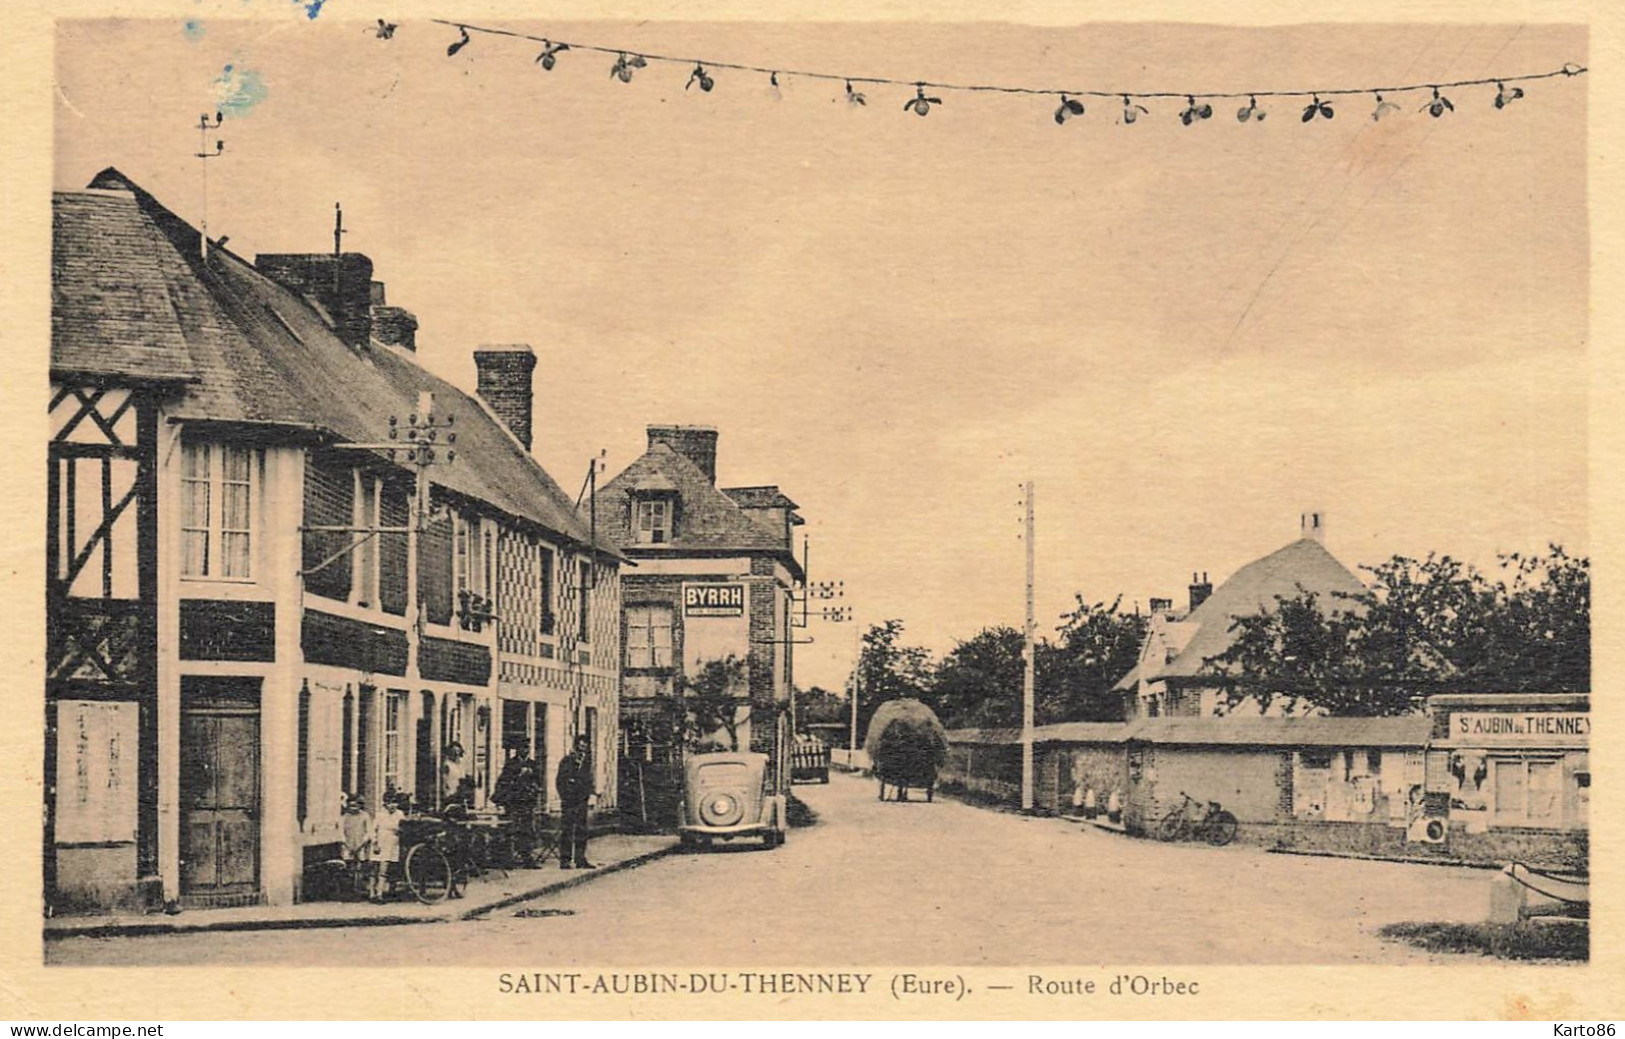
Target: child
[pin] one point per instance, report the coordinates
(358, 841)
(386, 846)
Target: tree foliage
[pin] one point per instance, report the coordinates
(888, 670)
(713, 704)
(1096, 645)
(978, 684)
(1422, 626)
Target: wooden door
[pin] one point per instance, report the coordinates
(220, 762)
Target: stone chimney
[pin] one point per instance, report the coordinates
(505, 384)
(1312, 526)
(1161, 605)
(396, 326)
(341, 284)
(1200, 590)
(698, 444)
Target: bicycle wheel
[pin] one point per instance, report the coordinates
(428, 873)
(1172, 827)
(1220, 828)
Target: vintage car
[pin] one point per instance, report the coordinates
(726, 796)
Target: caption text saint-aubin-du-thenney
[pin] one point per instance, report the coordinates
(750, 983)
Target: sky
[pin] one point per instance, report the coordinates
(1184, 335)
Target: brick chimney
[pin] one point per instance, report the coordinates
(396, 326)
(698, 444)
(1312, 526)
(1200, 590)
(341, 284)
(1161, 605)
(505, 384)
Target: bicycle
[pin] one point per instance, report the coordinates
(1216, 826)
(440, 864)
(514, 847)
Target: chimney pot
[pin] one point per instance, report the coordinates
(1312, 525)
(341, 284)
(698, 444)
(505, 384)
(1200, 591)
(396, 326)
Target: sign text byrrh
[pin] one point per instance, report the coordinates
(714, 600)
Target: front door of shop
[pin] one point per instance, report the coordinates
(220, 791)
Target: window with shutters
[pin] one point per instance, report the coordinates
(648, 636)
(584, 602)
(549, 610)
(330, 502)
(1527, 791)
(435, 565)
(394, 510)
(393, 776)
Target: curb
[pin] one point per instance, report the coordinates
(144, 928)
(1410, 860)
(579, 879)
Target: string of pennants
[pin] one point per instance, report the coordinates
(1130, 106)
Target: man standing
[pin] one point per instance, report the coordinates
(518, 791)
(575, 786)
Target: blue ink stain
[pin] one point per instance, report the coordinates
(194, 29)
(238, 90)
(312, 7)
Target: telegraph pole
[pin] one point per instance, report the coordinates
(1027, 668)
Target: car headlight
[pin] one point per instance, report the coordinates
(721, 809)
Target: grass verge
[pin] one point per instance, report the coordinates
(1526, 940)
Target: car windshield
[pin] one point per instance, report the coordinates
(723, 771)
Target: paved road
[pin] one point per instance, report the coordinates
(906, 884)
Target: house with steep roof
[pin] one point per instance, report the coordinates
(715, 580)
(288, 566)
(1173, 675)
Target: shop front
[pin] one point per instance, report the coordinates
(1508, 777)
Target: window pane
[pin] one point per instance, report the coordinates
(234, 506)
(196, 504)
(1543, 791)
(197, 552)
(1509, 791)
(195, 461)
(235, 464)
(234, 554)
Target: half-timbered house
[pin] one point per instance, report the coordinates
(268, 588)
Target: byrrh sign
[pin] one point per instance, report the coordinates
(713, 600)
(1550, 727)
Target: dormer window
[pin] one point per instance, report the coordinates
(653, 517)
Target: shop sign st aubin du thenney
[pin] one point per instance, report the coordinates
(1554, 727)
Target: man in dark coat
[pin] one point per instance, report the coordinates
(518, 791)
(575, 786)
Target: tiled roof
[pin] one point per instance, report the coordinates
(1303, 565)
(110, 307)
(769, 497)
(707, 519)
(1409, 730)
(1082, 732)
(261, 354)
(994, 737)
